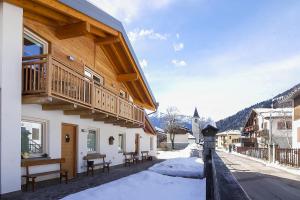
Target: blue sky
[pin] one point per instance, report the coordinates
(217, 55)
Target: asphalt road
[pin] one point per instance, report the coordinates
(260, 181)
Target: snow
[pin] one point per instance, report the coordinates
(183, 167)
(161, 181)
(191, 150)
(145, 185)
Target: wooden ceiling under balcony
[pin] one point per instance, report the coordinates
(70, 23)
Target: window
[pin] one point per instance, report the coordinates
(130, 98)
(280, 125)
(91, 141)
(33, 44)
(289, 125)
(196, 120)
(151, 143)
(33, 138)
(99, 80)
(122, 94)
(121, 142)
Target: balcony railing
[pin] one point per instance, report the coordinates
(47, 75)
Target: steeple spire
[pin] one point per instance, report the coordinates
(196, 113)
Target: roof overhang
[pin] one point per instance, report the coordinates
(86, 18)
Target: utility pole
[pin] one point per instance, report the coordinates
(270, 137)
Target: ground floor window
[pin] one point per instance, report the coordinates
(121, 142)
(151, 143)
(92, 141)
(33, 138)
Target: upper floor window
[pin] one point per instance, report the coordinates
(33, 44)
(282, 125)
(99, 80)
(122, 93)
(33, 138)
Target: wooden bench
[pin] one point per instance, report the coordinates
(30, 177)
(128, 158)
(145, 155)
(90, 162)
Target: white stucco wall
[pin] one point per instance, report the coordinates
(56, 118)
(179, 138)
(11, 30)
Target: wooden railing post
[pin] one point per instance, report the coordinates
(92, 95)
(49, 74)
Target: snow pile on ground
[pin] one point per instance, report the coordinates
(145, 185)
(183, 167)
(189, 151)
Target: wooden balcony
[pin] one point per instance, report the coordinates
(48, 81)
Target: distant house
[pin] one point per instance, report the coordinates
(266, 125)
(161, 137)
(181, 140)
(227, 138)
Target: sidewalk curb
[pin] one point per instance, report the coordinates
(294, 171)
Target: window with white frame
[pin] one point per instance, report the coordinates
(151, 143)
(121, 143)
(33, 138)
(92, 141)
(99, 80)
(33, 44)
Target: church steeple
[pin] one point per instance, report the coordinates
(196, 113)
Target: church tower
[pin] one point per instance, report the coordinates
(195, 125)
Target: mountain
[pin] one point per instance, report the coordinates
(157, 120)
(238, 120)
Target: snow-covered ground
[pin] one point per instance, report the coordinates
(161, 181)
(145, 185)
(189, 151)
(183, 167)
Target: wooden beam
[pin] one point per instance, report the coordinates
(36, 100)
(35, 8)
(127, 77)
(131, 59)
(59, 106)
(73, 30)
(111, 120)
(60, 7)
(79, 112)
(107, 40)
(39, 18)
(96, 31)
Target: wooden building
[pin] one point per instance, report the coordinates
(70, 81)
(266, 125)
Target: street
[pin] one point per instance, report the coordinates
(262, 182)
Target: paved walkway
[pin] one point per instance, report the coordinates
(260, 181)
(53, 190)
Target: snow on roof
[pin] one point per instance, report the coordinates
(277, 112)
(210, 123)
(230, 132)
(190, 136)
(159, 130)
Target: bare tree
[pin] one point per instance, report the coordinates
(172, 123)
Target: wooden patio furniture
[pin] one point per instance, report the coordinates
(145, 155)
(128, 158)
(90, 162)
(30, 177)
